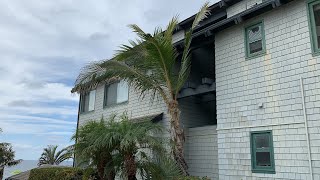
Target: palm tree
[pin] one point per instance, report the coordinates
(149, 65)
(7, 157)
(135, 144)
(89, 148)
(51, 156)
(125, 148)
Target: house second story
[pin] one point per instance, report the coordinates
(116, 98)
(240, 51)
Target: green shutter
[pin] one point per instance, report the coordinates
(312, 26)
(262, 153)
(255, 43)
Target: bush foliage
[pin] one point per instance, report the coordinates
(192, 178)
(70, 173)
(56, 173)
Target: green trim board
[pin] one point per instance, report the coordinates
(262, 152)
(254, 40)
(312, 26)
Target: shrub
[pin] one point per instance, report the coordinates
(192, 178)
(56, 173)
(90, 174)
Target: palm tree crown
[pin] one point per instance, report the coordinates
(51, 156)
(150, 64)
(7, 156)
(92, 151)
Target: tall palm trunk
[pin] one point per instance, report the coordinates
(177, 135)
(130, 166)
(1, 172)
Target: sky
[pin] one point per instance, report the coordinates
(43, 45)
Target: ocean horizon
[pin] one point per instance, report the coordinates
(26, 165)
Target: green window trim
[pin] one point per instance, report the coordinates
(247, 43)
(312, 26)
(262, 169)
(105, 105)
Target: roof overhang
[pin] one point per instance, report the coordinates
(204, 32)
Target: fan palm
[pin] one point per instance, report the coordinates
(136, 144)
(149, 65)
(125, 148)
(51, 156)
(90, 149)
(6, 157)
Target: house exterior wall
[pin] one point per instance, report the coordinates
(201, 151)
(135, 107)
(204, 138)
(272, 79)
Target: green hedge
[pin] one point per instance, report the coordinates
(56, 173)
(192, 178)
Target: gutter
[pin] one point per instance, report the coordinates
(306, 127)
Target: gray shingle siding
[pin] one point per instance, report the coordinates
(135, 107)
(202, 151)
(274, 80)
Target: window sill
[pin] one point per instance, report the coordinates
(316, 53)
(256, 55)
(115, 105)
(264, 171)
(88, 112)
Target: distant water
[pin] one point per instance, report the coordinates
(27, 165)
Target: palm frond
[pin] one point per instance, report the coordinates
(171, 27)
(186, 59)
(51, 156)
(139, 31)
(202, 14)
(7, 155)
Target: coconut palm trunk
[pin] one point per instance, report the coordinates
(177, 135)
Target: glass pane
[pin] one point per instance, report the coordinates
(122, 92)
(112, 94)
(92, 99)
(263, 159)
(255, 34)
(262, 141)
(86, 102)
(316, 11)
(255, 46)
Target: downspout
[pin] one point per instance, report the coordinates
(74, 154)
(306, 127)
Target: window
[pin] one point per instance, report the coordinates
(87, 101)
(116, 93)
(314, 17)
(262, 158)
(254, 39)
